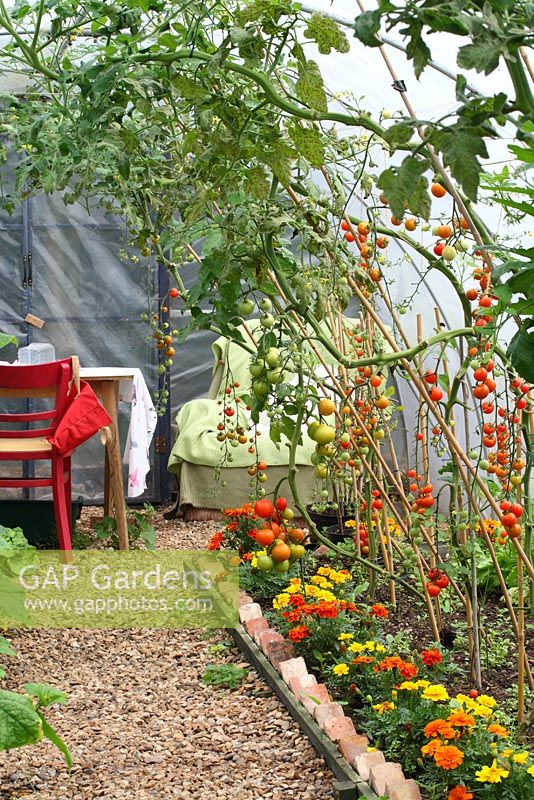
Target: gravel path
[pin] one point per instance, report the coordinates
(141, 724)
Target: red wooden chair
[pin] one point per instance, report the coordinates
(23, 444)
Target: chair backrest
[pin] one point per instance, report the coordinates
(52, 380)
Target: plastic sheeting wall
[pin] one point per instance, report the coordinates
(63, 265)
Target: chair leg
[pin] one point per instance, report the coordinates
(62, 513)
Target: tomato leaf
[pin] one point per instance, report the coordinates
(521, 352)
(460, 147)
(5, 339)
(326, 34)
(56, 739)
(310, 87)
(482, 56)
(309, 144)
(366, 27)
(405, 186)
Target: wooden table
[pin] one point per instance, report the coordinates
(106, 387)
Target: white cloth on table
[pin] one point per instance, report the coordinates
(143, 419)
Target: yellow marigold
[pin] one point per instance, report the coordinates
(520, 758)
(356, 647)
(350, 523)
(422, 683)
(340, 669)
(281, 600)
(370, 645)
(507, 753)
(498, 730)
(386, 706)
(530, 770)
(435, 692)
(463, 699)
(486, 700)
(293, 589)
(480, 710)
(343, 637)
(493, 774)
(408, 686)
(448, 757)
(340, 576)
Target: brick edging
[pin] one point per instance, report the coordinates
(386, 778)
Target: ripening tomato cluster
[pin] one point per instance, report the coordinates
(512, 513)
(360, 235)
(231, 429)
(362, 535)
(437, 581)
(284, 544)
(424, 499)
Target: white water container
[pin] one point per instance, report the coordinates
(36, 353)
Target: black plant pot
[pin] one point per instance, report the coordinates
(329, 519)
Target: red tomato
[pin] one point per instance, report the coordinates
(174, 292)
(281, 504)
(433, 589)
(263, 509)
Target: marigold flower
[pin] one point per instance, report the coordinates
(378, 610)
(326, 610)
(481, 711)
(493, 774)
(343, 637)
(431, 748)
(431, 657)
(498, 730)
(459, 719)
(520, 758)
(435, 692)
(486, 700)
(299, 633)
(216, 541)
(386, 706)
(281, 600)
(408, 686)
(356, 647)
(448, 757)
(439, 727)
(460, 793)
(363, 660)
(530, 770)
(340, 669)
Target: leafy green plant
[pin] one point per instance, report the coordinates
(141, 531)
(227, 676)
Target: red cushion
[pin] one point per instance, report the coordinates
(83, 418)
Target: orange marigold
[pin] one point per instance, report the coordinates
(378, 610)
(448, 757)
(299, 633)
(363, 660)
(431, 747)
(216, 541)
(431, 657)
(498, 730)
(459, 719)
(460, 793)
(440, 727)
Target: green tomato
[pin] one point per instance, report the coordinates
(272, 357)
(282, 566)
(288, 514)
(256, 369)
(262, 478)
(265, 563)
(267, 321)
(321, 471)
(265, 304)
(276, 375)
(246, 307)
(260, 388)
